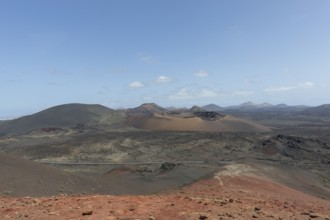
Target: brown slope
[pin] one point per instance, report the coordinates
(21, 177)
(238, 197)
(285, 175)
(193, 123)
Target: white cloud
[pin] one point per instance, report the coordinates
(202, 73)
(163, 79)
(136, 85)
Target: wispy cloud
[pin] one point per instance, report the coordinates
(307, 85)
(274, 89)
(279, 88)
(201, 73)
(163, 79)
(53, 84)
(146, 58)
(185, 93)
(207, 93)
(136, 85)
(242, 93)
(117, 70)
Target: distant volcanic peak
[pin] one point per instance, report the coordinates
(282, 105)
(62, 116)
(209, 115)
(75, 111)
(148, 108)
(152, 105)
(249, 103)
(197, 108)
(325, 106)
(205, 121)
(77, 107)
(265, 104)
(323, 110)
(252, 104)
(212, 107)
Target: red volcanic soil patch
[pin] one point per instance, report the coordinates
(217, 123)
(231, 197)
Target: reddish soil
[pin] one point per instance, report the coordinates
(236, 198)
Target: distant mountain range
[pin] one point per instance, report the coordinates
(322, 110)
(151, 116)
(253, 107)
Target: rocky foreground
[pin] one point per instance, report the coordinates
(219, 197)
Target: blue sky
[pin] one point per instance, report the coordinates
(175, 53)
